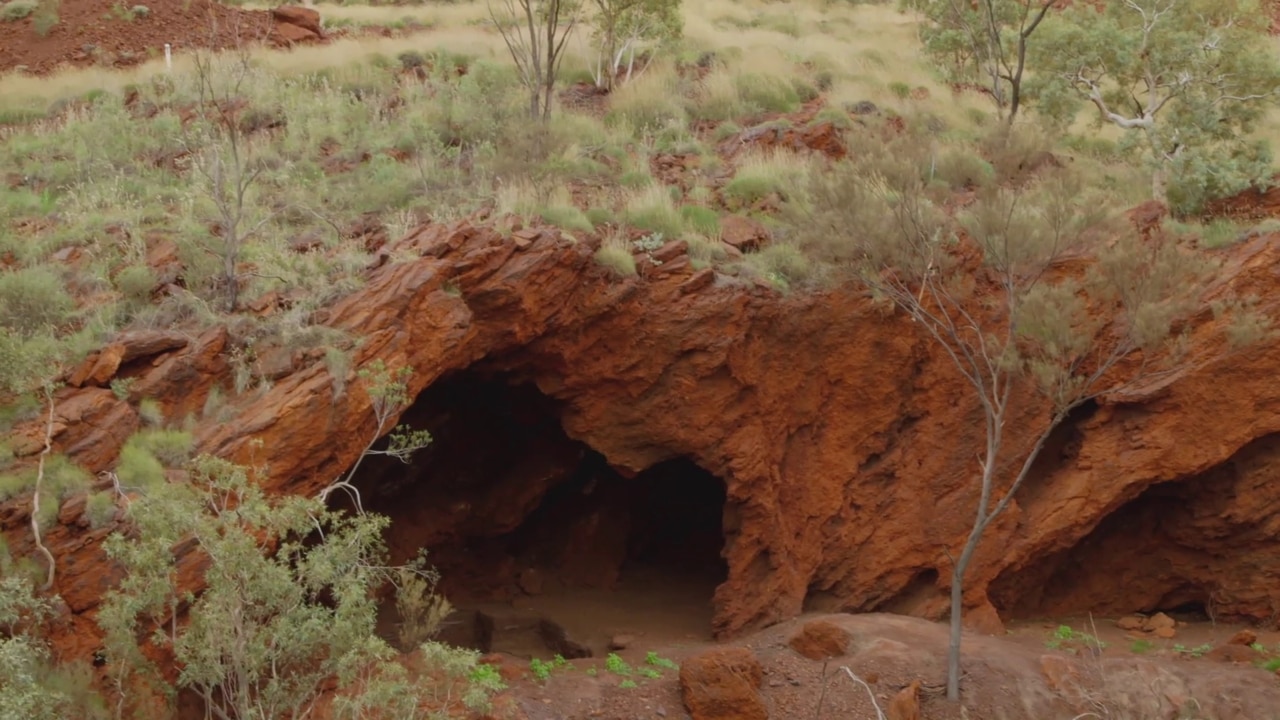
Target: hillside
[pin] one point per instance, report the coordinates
(669, 411)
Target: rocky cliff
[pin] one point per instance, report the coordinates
(844, 441)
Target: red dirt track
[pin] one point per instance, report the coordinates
(97, 32)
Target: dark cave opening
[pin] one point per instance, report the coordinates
(541, 545)
(1137, 560)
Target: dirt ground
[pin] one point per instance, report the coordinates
(103, 32)
(1030, 673)
(1008, 678)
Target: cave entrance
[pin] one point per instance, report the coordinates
(541, 545)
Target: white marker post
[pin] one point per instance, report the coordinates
(168, 57)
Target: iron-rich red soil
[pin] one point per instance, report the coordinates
(103, 32)
(1015, 678)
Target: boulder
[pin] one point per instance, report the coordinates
(723, 684)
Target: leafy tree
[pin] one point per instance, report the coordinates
(535, 33)
(1031, 337)
(287, 601)
(30, 687)
(986, 39)
(227, 166)
(1187, 79)
(621, 25)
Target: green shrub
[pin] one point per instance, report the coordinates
(767, 93)
(33, 299)
(599, 216)
(135, 283)
(962, 169)
(566, 217)
(652, 209)
(702, 220)
(100, 508)
(782, 264)
(45, 17)
(760, 174)
(302, 615)
(649, 103)
(615, 254)
(17, 9)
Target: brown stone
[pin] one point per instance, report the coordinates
(1159, 621)
(1233, 653)
(621, 642)
(1164, 632)
(1245, 637)
(820, 640)
(723, 684)
(1131, 623)
(301, 17)
(145, 343)
(286, 35)
(701, 279)
(743, 233)
(670, 251)
(905, 705)
(525, 238)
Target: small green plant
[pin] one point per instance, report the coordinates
(655, 660)
(1194, 652)
(1140, 646)
(592, 672)
(540, 669)
(627, 684)
(1072, 641)
(651, 673)
(616, 665)
(120, 387)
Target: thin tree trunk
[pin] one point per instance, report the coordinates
(957, 610)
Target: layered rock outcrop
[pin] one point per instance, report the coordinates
(844, 439)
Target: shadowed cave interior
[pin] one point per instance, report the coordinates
(541, 546)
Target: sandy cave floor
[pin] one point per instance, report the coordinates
(1011, 676)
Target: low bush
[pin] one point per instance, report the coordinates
(17, 9)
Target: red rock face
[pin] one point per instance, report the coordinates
(845, 442)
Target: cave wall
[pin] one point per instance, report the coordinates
(1207, 540)
(845, 441)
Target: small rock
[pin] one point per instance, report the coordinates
(1159, 621)
(621, 642)
(723, 684)
(743, 233)
(670, 251)
(525, 238)
(906, 704)
(699, 280)
(1244, 637)
(1165, 633)
(302, 17)
(864, 107)
(1131, 622)
(820, 640)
